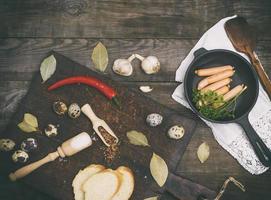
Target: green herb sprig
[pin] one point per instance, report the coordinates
(212, 105)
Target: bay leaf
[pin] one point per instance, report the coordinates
(26, 127)
(31, 120)
(159, 169)
(100, 57)
(203, 152)
(137, 138)
(48, 68)
(152, 198)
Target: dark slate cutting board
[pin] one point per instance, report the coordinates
(56, 177)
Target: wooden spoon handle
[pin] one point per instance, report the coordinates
(20, 173)
(261, 73)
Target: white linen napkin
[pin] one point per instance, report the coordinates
(231, 136)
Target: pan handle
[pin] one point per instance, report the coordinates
(200, 51)
(261, 150)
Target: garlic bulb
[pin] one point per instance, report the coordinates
(123, 67)
(150, 64)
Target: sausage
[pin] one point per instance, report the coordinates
(214, 78)
(217, 85)
(213, 70)
(234, 92)
(223, 90)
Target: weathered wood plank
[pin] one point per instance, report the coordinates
(125, 19)
(19, 58)
(219, 167)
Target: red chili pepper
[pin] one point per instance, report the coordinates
(108, 91)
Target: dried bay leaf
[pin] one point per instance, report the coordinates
(29, 123)
(100, 57)
(152, 198)
(203, 152)
(137, 138)
(26, 127)
(31, 120)
(159, 169)
(48, 68)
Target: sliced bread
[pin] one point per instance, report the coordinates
(81, 177)
(102, 186)
(127, 184)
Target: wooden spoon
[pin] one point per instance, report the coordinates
(243, 38)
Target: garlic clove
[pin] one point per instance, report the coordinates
(150, 65)
(145, 89)
(123, 67)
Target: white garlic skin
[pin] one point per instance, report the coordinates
(145, 89)
(176, 132)
(6, 144)
(123, 67)
(154, 119)
(150, 65)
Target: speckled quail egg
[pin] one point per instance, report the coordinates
(74, 110)
(30, 144)
(59, 107)
(154, 119)
(6, 144)
(20, 156)
(176, 132)
(51, 130)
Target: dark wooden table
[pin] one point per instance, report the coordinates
(167, 29)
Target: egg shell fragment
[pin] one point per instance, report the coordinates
(60, 107)
(30, 144)
(6, 144)
(176, 132)
(20, 156)
(74, 110)
(51, 130)
(154, 119)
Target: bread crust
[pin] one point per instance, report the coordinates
(125, 193)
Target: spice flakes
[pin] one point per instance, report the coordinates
(112, 151)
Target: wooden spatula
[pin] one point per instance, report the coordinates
(243, 38)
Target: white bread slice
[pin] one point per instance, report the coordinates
(102, 186)
(81, 177)
(127, 184)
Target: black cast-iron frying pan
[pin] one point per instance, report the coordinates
(244, 74)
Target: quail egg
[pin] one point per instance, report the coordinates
(6, 144)
(20, 156)
(74, 110)
(30, 144)
(51, 130)
(154, 119)
(59, 107)
(176, 132)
